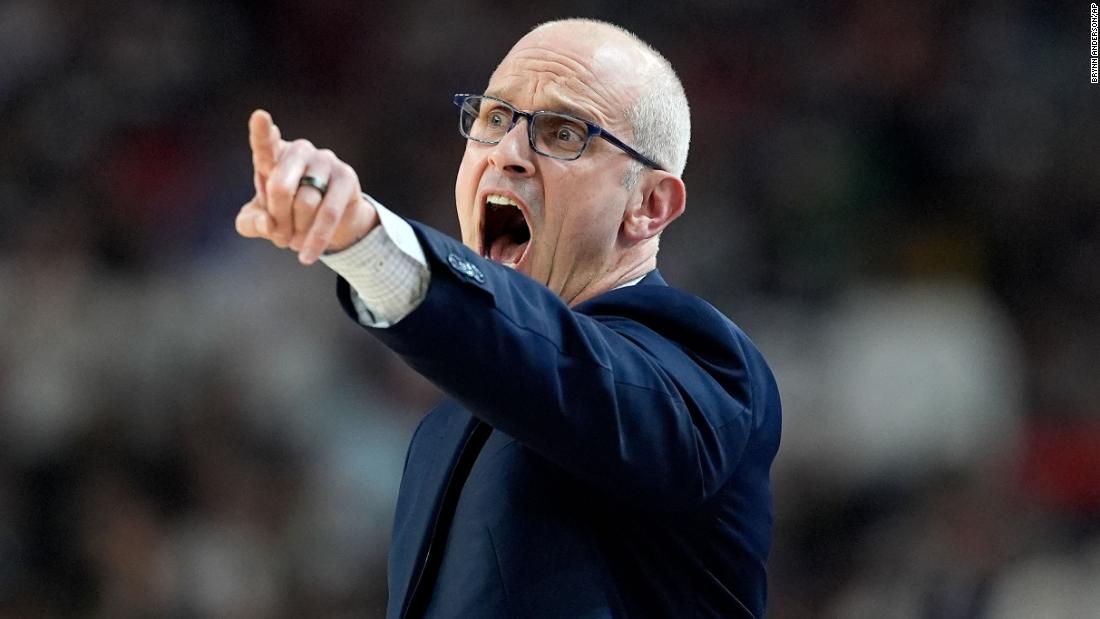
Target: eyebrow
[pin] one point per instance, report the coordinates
(559, 105)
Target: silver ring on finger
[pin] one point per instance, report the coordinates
(316, 183)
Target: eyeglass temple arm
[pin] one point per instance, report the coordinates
(596, 129)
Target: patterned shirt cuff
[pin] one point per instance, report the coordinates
(387, 270)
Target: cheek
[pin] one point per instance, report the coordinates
(583, 229)
(469, 174)
(590, 215)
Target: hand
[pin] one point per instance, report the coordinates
(300, 217)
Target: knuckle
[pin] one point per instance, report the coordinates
(280, 192)
(303, 144)
(328, 215)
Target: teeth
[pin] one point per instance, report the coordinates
(495, 201)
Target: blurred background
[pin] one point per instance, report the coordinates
(899, 202)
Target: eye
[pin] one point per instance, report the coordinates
(565, 133)
(497, 119)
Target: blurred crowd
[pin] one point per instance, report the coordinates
(898, 201)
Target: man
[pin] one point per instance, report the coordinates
(606, 448)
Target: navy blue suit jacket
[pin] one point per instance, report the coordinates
(609, 460)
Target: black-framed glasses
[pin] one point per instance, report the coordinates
(552, 134)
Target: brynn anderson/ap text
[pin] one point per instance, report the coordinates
(1094, 69)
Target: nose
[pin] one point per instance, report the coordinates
(513, 154)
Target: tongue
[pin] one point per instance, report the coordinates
(504, 249)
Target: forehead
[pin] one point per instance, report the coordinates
(586, 72)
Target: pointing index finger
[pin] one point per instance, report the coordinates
(265, 139)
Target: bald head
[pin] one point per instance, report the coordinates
(657, 110)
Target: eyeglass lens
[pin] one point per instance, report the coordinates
(555, 135)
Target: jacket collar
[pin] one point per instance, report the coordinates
(653, 278)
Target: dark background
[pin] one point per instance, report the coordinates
(899, 201)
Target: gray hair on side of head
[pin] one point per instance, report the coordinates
(660, 117)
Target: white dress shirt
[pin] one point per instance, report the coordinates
(387, 270)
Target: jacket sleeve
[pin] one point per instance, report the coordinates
(606, 396)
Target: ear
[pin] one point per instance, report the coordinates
(661, 198)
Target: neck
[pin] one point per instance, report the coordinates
(630, 266)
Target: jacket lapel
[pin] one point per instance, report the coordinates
(432, 457)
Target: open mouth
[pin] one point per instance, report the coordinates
(505, 235)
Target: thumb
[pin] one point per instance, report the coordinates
(266, 141)
(253, 220)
